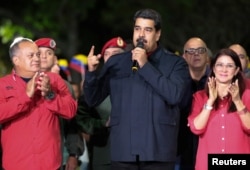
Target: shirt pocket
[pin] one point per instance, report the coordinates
(11, 94)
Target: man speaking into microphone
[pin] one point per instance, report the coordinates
(145, 114)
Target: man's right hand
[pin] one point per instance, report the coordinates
(93, 60)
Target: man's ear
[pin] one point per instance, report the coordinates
(55, 60)
(184, 56)
(158, 35)
(15, 60)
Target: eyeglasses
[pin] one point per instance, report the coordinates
(192, 51)
(220, 66)
(18, 40)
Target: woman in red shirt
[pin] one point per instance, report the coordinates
(220, 113)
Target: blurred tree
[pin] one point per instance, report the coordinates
(45, 18)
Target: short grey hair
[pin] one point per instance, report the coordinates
(15, 45)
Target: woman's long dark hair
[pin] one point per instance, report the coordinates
(239, 75)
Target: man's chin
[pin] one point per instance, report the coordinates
(36, 69)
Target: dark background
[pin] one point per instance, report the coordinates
(78, 24)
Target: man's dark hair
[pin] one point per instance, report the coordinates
(149, 14)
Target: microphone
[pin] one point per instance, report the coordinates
(140, 44)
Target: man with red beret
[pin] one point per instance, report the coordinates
(47, 47)
(95, 120)
(113, 46)
(69, 131)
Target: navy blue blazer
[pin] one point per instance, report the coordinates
(145, 104)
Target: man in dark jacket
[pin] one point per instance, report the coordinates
(94, 121)
(145, 101)
(196, 53)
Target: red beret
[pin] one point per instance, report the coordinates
(114, 42)
(46, 42)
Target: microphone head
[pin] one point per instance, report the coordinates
(140, 42)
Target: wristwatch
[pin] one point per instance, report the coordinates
(50, 95)
(207, 107)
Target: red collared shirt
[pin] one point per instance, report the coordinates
(224, 132)
(31, 132)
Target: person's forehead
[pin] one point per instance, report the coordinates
(238, 49)
(111, 49)
(223, 58)
(143, 22)
(195, 44)
(45, 49)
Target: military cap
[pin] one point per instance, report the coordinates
(117, 42)
(46, 42)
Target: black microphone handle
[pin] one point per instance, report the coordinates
(135, 66)
(140, 44)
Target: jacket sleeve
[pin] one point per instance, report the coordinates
(63, 104)
(168, 81)
(95, 87)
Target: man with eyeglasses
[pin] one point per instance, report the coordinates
(31, 102)
(195, 52)
(241, 52)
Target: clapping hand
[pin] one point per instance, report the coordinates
(43, 84)
(234, 91)
(31, 85)
(213, 91)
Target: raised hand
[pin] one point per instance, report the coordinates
(234, 91)
(93, 60)
(213, 90)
